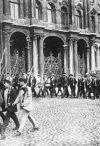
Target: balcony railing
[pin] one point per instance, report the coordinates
(16, 21)
(40, 23)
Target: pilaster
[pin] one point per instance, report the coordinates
(35, 54)
(1, 7)
(27, 10)
(21, 9)
(85, 13)
(7, 7)
(88, 13)
(32, 8)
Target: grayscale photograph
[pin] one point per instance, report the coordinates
(49, 72)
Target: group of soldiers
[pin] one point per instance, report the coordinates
(63, 85)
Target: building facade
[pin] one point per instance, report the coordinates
(46, 36)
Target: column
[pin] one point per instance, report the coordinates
(71, 56)
(65, 58)
(92, 55)
(35, 56)
(6, 53)
(41, 55)
(7, 7)
(75, 58)
(28, 53)
(88, 59)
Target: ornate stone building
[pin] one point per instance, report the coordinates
(49, 36)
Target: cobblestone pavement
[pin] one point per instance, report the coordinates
(62, 122)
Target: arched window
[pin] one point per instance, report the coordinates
(14, 8)
(38, 10)
(64, 14)
(51, 15)
(78, 18)
(93, 23)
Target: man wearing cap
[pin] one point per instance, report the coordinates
(25, 99)
(9, 96)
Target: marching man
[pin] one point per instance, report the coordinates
(25, 99)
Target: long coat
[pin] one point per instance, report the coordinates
(11, 98)
(25, 98)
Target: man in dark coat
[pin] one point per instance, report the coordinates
(1, 127)
(9, 96)
(81, 86)
(72, 83)
(2, 87)
(65, 85)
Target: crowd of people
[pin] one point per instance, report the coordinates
(63, 85)
(20, 90)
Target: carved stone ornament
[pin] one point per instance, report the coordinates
(92, 41)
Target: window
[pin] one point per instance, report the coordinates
(51, 13)
(93, 23)
(14, 8)
(78, 18)
(64, 16)
(38, 10)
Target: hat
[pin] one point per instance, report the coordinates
(71, 75)
(7, 81)
(23, 80)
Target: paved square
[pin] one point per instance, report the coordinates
(62, 122)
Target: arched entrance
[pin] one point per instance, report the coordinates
(82, 57)
(53, 55)
(18, 53)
